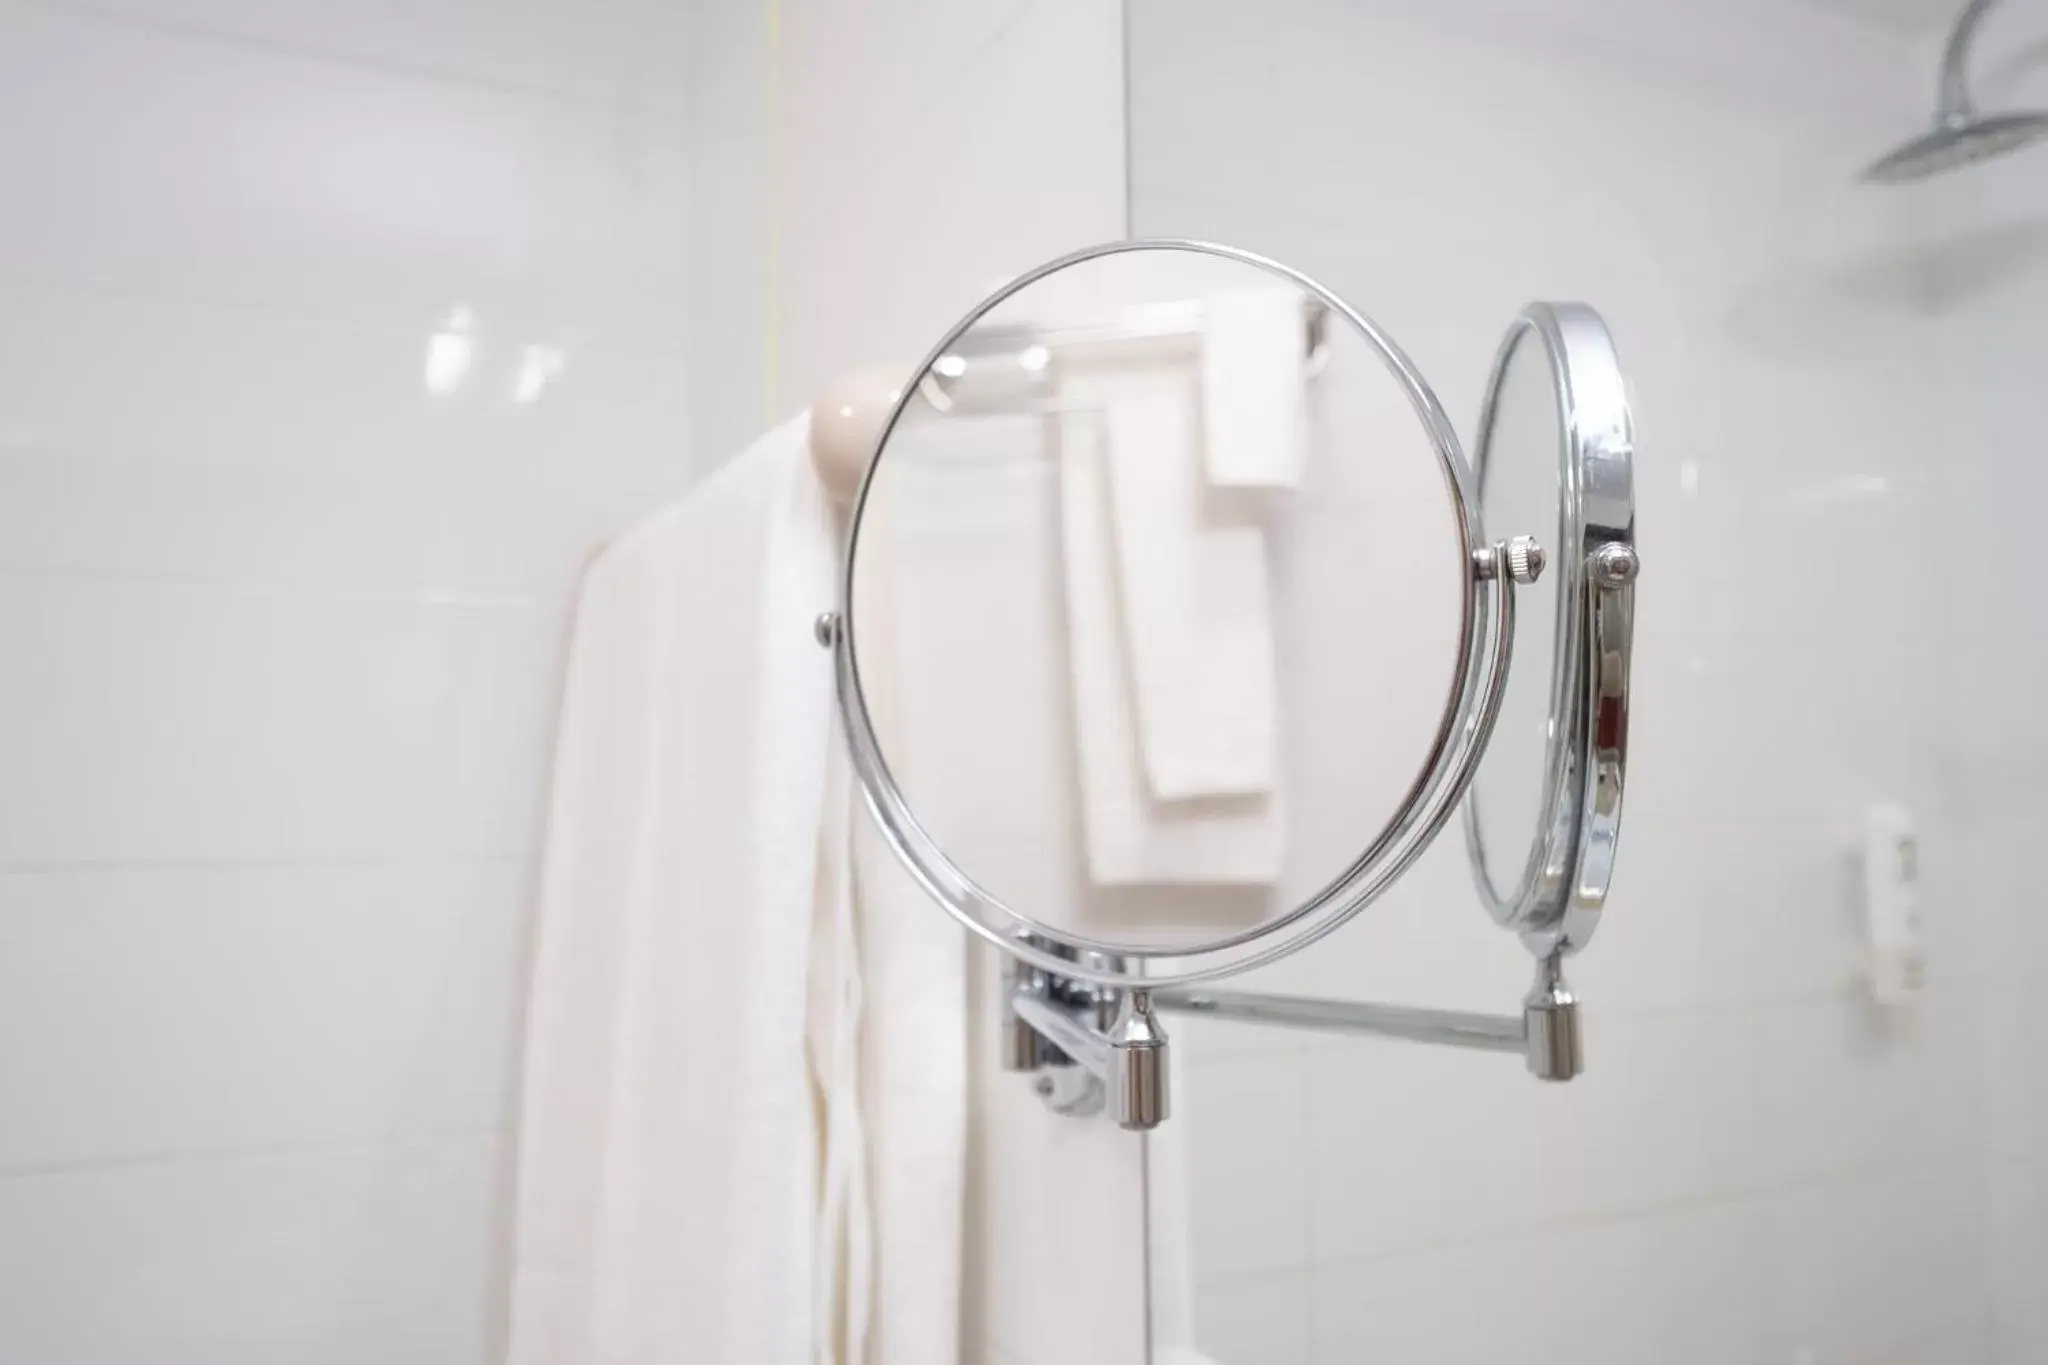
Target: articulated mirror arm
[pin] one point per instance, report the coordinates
(1116, 1036)
(1546, 1032)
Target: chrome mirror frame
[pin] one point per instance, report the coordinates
(1486, 636)
(1556, 904)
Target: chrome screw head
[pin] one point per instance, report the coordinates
(825, 630)
(1525, 559)
(1613, 565)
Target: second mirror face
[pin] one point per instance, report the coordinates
(1156, 599)
(1520, 458)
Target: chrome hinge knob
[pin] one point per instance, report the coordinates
(825, 630)
(1613, 565)
(1525, 559)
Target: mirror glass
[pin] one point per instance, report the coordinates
(1519, 456)
(1155, 550)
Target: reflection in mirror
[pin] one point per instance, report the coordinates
(1519, 458)
(1154, 551)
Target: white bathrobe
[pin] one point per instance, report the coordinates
(695, 1151)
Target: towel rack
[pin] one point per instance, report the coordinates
(1076, 1004)
(1019, 357)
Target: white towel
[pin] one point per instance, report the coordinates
(677, 1140)
(1197, 613)
(914, 968)
(1254, 416)
(842, 1264)
(1131, 836)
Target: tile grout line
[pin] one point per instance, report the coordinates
(231, 1154)
(1977, 1159)
(315, 863)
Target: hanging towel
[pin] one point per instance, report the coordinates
(913, 967)
(1131, 835)
(673, 1155)
(1254, 418)
(842, 1254)
(1197, 614)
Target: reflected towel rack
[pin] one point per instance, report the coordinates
(1017, 357)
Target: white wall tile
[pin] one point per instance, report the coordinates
(628, 51)
(1412, 1147)
(234, 174)
(733, 331)
(1248, 1117)
(1856, 1269)
(2007, 898)
(151, 1013)
(993, 175)
(319, 1257)
(2015, 1070)
(2016, 1205)
(163, 723)
(264, 449)
(1676, 1287)
(869, 83)
(1247, 1322)
(1846, 1086)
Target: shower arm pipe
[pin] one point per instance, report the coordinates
(1955, 105)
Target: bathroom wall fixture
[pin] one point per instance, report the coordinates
(1553, 464)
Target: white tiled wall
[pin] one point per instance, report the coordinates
(1758, 1165)
(1987, 248)
(282, 595)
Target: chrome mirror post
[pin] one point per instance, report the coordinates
(1126, 1054)
(1137, 1078)
(1550, 1024)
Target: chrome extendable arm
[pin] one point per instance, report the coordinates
(1545, 1033)
(1115, 1036)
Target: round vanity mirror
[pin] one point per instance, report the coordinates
(1169, 633)
(1554, 452)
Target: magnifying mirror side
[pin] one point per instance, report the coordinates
(1555, 902)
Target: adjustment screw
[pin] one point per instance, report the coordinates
(1613, 565)
(1525, 559)
(825, 630)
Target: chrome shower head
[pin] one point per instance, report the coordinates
(1961, 136)
(1957, 144)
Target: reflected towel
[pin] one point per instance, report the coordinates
(1131, 835)
(1254, 359)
